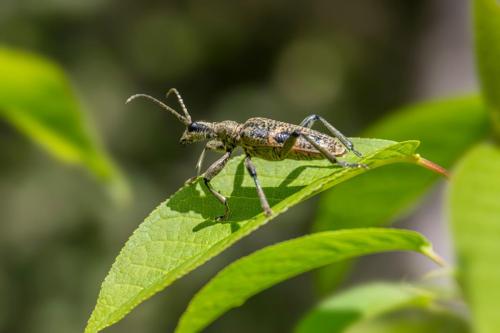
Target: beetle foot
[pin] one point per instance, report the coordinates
(222, 218)
(357, 153)
(191, 180)
(268, 212)
(352, 165)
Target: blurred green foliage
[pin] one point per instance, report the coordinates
(414, 321)
(475, 218)
(487, 35)
(36, 98)
(355, 305)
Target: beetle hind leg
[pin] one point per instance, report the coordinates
(328, 155)
(309, 122)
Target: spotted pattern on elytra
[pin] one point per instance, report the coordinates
(265, 138)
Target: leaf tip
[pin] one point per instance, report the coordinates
(428, 251)
(431, 166)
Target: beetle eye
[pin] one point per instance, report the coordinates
(193, 127)
(196, 127)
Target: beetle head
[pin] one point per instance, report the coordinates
(197, 131)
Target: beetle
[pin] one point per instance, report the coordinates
(263, 138)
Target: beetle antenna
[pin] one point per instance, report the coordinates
(181, 102)
(162, 105)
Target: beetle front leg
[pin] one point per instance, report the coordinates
(200, 161)
(198, 167)
(310, 120)
(213, 145)
(260, 192)
(208, 175)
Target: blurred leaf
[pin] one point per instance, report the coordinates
(37, 99)
(247, 276)
(180, 234)
(487, 35)
(475, 216)
(414, 321)
(445, 128)
(338, 312)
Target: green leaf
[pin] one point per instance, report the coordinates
(338, 312)
(475, 215)
(36, 98)
(180, 234)
(445, 128)
(487, 38)
(247, 276)
(414, 321)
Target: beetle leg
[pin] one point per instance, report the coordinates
(214, 145)
(325, 152)
(288, 145)
(310, 120)
(208, 175)
(200, 161)
(260, 193)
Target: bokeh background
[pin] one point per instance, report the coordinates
(351, 61)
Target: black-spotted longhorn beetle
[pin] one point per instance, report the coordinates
(268, 139)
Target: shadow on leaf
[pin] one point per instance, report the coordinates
(243, 201)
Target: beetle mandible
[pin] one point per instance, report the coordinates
(267, 139)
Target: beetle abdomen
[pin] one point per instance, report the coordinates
(264, 138)
(274, 153)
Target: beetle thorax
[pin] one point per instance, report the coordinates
(227, 131)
